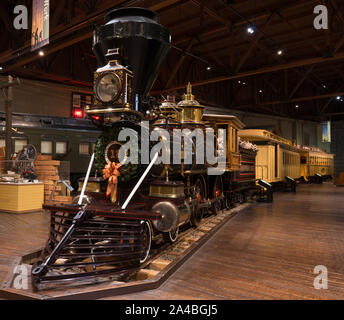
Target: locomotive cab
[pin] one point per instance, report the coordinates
(231, 125)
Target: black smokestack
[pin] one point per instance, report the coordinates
(142, 41)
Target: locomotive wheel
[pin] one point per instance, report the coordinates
(147, 241)
(171, 236)
(197, 214)
(217, 193)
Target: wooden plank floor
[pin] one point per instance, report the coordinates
(20, 234)
(267, 252)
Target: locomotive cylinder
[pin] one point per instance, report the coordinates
(172, 205)
(172, 215)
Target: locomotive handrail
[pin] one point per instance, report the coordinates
(140, 181)
(86, 180)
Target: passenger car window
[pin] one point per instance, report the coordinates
(19, 144)
(46, 147)
(61, 147)
(84, 148)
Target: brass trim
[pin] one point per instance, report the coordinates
(167, 191)
(91, 186)
(120, 84)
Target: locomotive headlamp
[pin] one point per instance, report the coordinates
(108, 87)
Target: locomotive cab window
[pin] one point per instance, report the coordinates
(46, 147)
(2, 143)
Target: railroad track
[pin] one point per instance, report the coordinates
(165, 254)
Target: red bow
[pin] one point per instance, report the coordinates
(111, 172)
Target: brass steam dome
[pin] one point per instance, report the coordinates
(170, 112)
(192, 110)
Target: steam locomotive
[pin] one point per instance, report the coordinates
(146, 189)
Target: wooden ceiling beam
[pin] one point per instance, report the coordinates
(311, 42)
(337, 10)
(323, 109)
(47, 51)
(5, 18)
(339, 45)
(253, 106)
(62, 30)
(85, 33)
(279, 59)
(58, 12)
(179, 63)
(301, 99)
(253, 45)
(302, 80)
(212, 13)
(235, 24)
(270, 85)
(289, 46)
(161, 5)
(274, 68)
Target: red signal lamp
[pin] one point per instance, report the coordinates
(78, 113)
(97, 118)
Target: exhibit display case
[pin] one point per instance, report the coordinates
(21, 197)
(20, 191)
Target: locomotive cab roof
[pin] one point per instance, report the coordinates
(223, 119)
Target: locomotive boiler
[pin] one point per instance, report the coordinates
(152, 162)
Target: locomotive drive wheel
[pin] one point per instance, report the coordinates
(198, 212)
(147, 241)
(228, 203)
(171, 236)
(217, 193)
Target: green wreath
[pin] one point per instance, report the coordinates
(129, 170)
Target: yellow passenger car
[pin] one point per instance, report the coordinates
(315, 161)
(277, 157)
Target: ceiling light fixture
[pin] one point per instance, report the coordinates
(280, 52)
(250, 30)
(208, 68)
